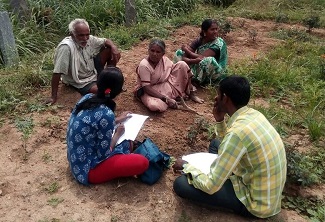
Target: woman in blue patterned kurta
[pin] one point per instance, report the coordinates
(93, 155)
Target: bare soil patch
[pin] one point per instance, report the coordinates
(30, 169)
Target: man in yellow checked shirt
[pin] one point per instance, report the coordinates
(250, 172)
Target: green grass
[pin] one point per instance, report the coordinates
(290, 11)
(293, 33)
(313, 207)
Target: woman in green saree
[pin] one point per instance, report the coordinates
(206, 55)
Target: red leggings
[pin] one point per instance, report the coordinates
(120, 165)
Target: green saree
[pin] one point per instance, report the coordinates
(209, 70)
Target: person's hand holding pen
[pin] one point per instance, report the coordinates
(119, 128)
(124, 116)
(119, 131)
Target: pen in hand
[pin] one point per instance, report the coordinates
(123, 117)
(118, 132)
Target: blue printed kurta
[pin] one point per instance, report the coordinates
(89, 137)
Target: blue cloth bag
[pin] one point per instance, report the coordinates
(158, 161)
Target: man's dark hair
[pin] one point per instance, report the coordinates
(237, 88)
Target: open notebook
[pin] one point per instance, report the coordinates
(132, 127)
(202, 161)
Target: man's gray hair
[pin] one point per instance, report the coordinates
(73, 23)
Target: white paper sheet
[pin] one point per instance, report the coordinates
(132, 127)
(202, 161)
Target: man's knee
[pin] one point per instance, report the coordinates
(106, 51)
(180, 185)
(106, 57)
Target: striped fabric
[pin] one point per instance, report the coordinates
(252, 155)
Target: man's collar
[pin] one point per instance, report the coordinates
(236, 114)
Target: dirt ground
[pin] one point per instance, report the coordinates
(32, 169)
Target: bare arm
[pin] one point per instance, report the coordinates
(189, 52)
(190, 57)
(218, 115)
(55, 86)
(190, 61)
(115, 53)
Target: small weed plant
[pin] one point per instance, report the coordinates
(52, 122)
(52, 188)
(49, 220)
(312, 22)
(55, 201)
(46, 157)
(114, 218)
(200, 126)
(184, 217)
(25, 126)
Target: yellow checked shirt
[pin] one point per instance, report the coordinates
(252, 155)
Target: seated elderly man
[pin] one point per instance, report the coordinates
(80, 57)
